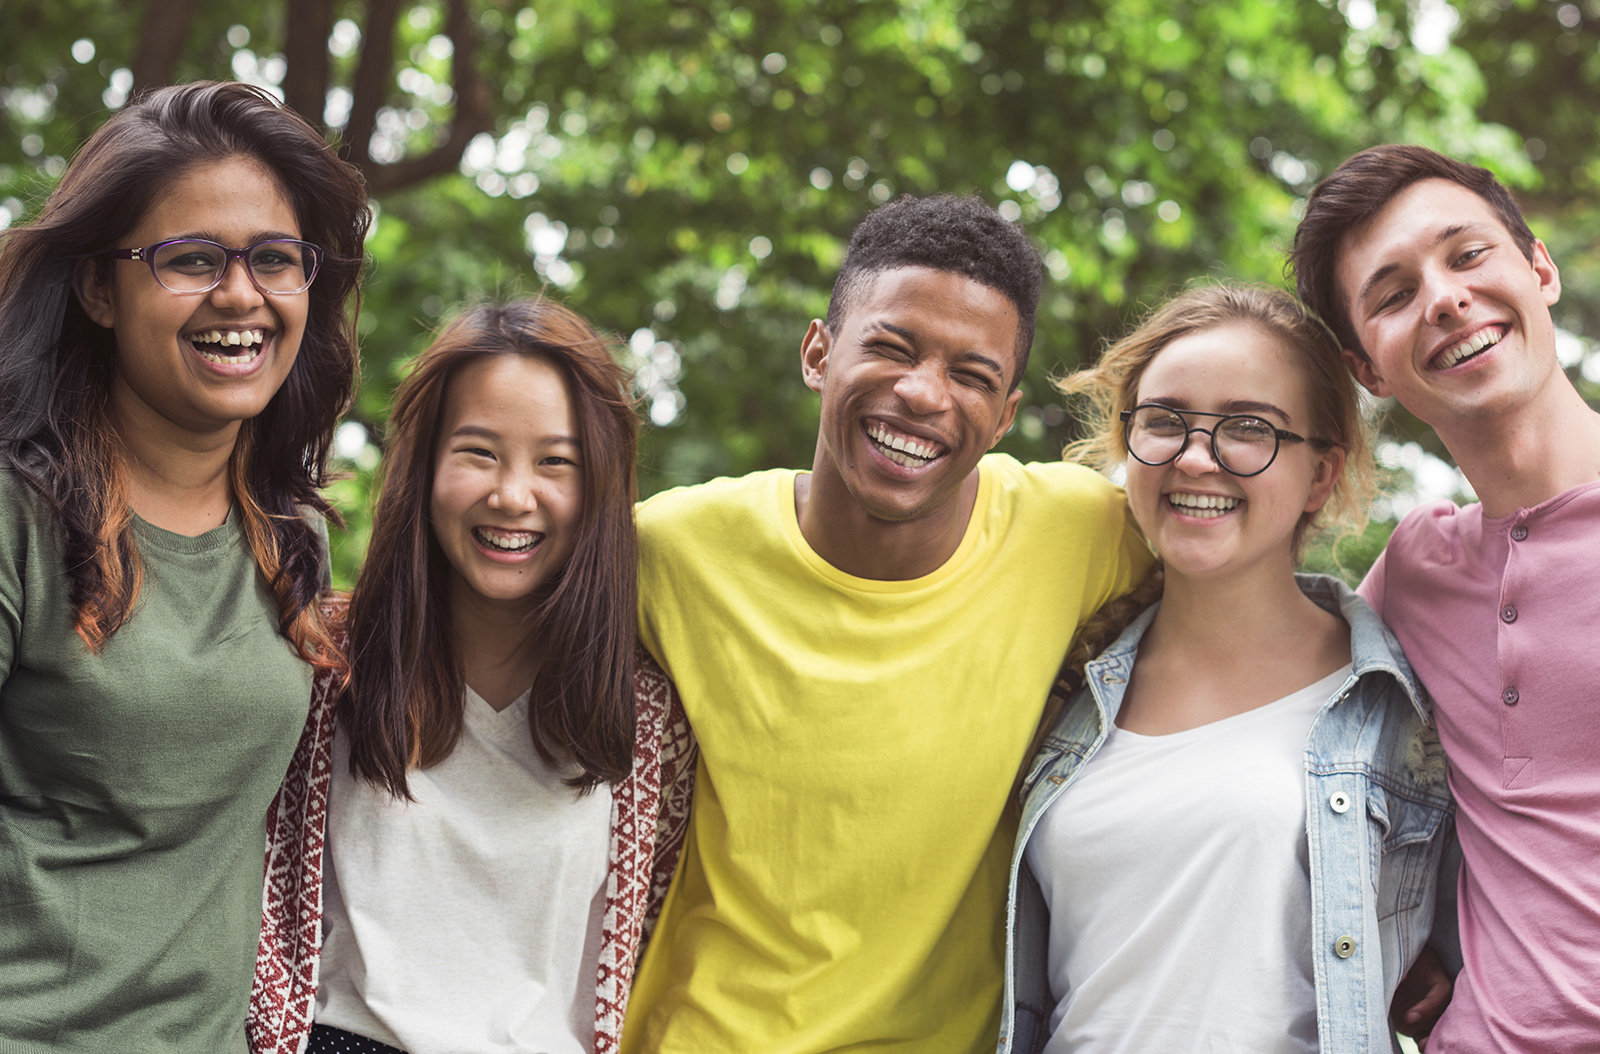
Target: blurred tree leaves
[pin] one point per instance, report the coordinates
(687, 174)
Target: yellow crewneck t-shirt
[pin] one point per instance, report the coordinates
(843, 884)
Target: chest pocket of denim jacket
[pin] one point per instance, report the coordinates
(1407, 862)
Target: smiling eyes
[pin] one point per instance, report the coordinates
(485, 454)
(1239, 428)
(1403, 293)
(1393, 299)
(970, 377)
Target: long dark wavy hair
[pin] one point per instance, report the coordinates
(405, 701)
(56, 433)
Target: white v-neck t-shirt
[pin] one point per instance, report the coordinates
(1178, 880)
(468, 920)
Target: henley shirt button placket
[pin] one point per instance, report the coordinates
(1509, 695)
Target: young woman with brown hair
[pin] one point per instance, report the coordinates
(1232, 827)
(175, 349)
(497, 818)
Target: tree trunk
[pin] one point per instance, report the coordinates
(474, 110)
(305, 50)
(161, 39)
(371, 80)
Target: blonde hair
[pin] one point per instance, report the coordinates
(1111, 386)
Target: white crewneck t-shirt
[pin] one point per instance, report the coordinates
(1177, 875)
(469, 919)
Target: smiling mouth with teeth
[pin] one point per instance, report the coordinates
(1472, 346)
(903, 450)
(1203, 506)
(214, 344)
(507, 541)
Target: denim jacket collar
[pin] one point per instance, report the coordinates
(1372, 647)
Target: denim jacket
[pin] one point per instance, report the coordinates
(1377, 819)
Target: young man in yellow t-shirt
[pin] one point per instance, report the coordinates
(863, 651)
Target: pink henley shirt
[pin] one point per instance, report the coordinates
(1501, 620)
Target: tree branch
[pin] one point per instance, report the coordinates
(161, 39)
(474, 113)
(305, 50)
(371, 83)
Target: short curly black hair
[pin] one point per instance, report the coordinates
(947, 232)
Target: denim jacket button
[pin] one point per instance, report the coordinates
(1340, 802)
(1344, 947)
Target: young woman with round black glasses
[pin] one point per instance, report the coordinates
(1233, 822)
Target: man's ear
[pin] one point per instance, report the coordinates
(1007, 415)
(814, 354)
(1362, 368)
(94, 293)
(1549, 277)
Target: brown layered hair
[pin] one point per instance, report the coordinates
(56, 432)
(1357, 191)
(405, 701)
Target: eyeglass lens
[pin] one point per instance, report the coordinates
(194, 266)
(1242, 445)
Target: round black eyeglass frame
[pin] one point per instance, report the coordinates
(1280, 436)
(147, 255)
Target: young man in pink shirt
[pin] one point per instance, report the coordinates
(1441, 296)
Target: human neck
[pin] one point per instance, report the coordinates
(1522, 460)
(1261, 612)
(498, 648)
(177, 480)
(1220, 646)
(840, 531)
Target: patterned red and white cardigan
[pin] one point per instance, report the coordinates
(649, 814)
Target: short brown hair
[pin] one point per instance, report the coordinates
(1357, 191)
(404, 705)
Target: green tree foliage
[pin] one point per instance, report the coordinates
(687, 174)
